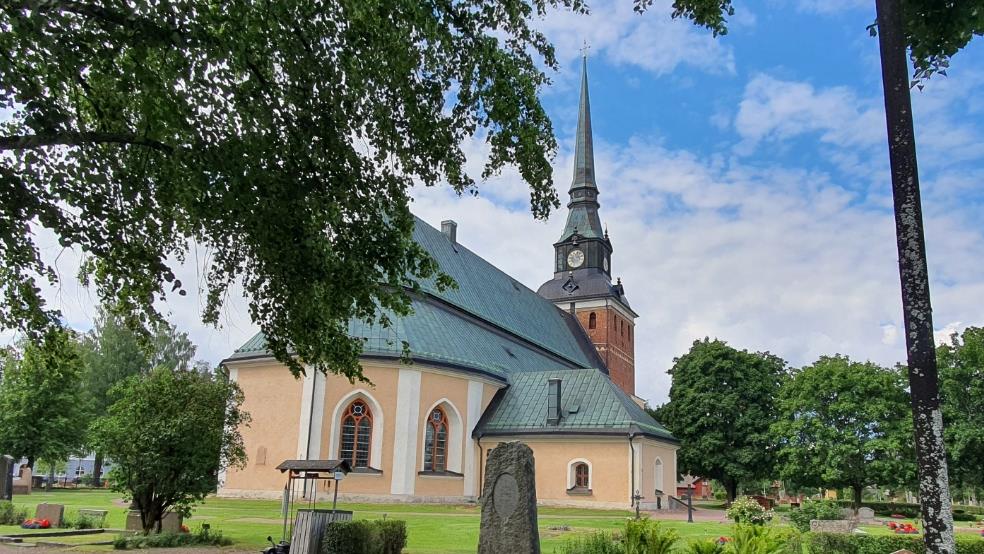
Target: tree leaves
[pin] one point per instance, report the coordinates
(281, 137)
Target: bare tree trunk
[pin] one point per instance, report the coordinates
(858, 491)
(934, 489)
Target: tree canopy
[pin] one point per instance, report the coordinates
(845, 424)
(43, 410)
(962, 388)
(169, 434)
(721, 406)
(280, 138)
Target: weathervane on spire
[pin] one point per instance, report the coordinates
(584, 49)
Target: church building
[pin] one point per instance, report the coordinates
(492, 361)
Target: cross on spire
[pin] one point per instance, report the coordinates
(584, 49)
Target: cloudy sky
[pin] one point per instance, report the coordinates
(744, 181)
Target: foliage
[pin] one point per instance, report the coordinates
(961, 366)
(10, 514)
(203, 537)
(709, 546)
(113, 352)
(721, 406)
(646, 536)
(190, 421)
(42, 408)
(282, 138)
(755, 539)
(836, 543)
(748, 510)
(886, 508)
(809, 510)
(845, 424)
(599, 542)
(364, 537)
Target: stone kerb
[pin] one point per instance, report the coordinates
(508, 502)
(832, 525)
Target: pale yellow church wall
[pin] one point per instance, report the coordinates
(451, 393)
(382, 390)
(273, 400)
(607, 457)
(649, 451)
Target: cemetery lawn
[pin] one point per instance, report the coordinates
(431, 529)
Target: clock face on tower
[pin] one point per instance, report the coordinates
(605, 263)
(575, 258)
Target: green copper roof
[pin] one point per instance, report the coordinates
(491, 323)
(590, 403)
(584, 148)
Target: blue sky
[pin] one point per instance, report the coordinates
(744, 180)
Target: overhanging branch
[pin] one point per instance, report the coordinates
(26, 142)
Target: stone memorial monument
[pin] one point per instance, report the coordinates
(6, 477)
(509, 502)
(51, 512)
(866, 515)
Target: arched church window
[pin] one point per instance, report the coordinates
(658, 476)
(581, 475)
(356, 434)
(436, 441)
(592, 321)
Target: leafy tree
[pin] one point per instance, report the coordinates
(962, 387)
(844, 424)
(721, 406)
(930, 32)
(113, 352)
(42, 406)
(283, 137)
(169, 434)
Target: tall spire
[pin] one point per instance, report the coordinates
(584, 150)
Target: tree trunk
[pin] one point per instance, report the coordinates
(732, 487)
(51, 478)
(97, 467)
(858, 491)
(934, 493)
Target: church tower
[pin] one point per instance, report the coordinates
(582, 278)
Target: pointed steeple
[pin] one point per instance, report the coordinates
(584, 149)
(582, 219)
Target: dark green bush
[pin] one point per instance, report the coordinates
(365, 537)
(960, 515)
(822, 509)
(202, 537)
(832, 543)
(10, 514)
(886, 509)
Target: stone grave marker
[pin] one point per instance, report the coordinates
(509, 502)
(866, 515)
(6, 477)
(52, 512)
(831, 525)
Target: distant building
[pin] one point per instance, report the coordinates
(702, 488)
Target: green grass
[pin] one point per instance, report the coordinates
(432, 529)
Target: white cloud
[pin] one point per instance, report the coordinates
(651, 41)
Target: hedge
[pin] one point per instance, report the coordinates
(908, 510)
(834, 543)
(10, 514)
(377, 536)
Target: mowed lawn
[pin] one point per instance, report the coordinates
(432, 529)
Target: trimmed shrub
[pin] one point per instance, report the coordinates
(202, 537)
(832, 543)
(822, 509)
(886, 509)
(10, 514)
(748, 510)
(365, 537)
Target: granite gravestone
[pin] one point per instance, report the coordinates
(6, 477)
(51, 512)
(509, 502)
(866, 515)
